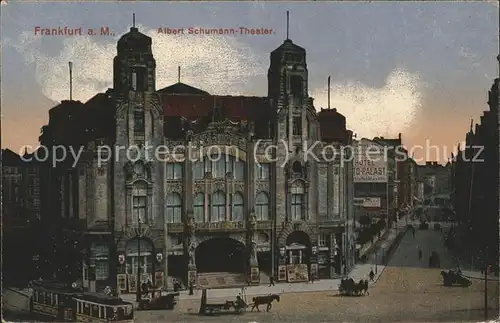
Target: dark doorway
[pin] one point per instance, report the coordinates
(265, 262)
(221, 255)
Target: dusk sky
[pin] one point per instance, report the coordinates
(420, 68)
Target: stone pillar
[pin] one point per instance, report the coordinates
(191, 248)
(253, 261)
(290, 255)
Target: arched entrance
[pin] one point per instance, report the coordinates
(221, 255)
(139, 256)
(298, 254)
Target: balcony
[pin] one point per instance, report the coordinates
(221, 226)
(264, 225)
(175, 227)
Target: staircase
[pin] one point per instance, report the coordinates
(221, 280)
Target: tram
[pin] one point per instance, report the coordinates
(55, 301)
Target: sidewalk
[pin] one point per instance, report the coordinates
(362, 270)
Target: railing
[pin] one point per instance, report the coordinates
(221, 226)
(175, 227)
(264, 225)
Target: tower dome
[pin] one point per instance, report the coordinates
(134, 41)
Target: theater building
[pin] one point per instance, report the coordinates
(220, 191)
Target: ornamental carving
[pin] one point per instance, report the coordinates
(262, 187)
(206, 139)
(238, 187)
(138, 170)
(198, 188)
(176, 146)
(218, 186)
(174, 187)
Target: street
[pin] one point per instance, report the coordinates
(406, 291)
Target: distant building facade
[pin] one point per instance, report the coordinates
(475, 174)
(212, 220)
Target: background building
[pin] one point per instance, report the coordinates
(215, 222)
(475, 188)
(20, 217)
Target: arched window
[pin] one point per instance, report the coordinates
(262, 207)
(99, 259)
(237, 214)
(199, 207)
(174, 208)
(297, 201)
(218, 207)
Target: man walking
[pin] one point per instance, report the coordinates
(372, 275)
(271, 281)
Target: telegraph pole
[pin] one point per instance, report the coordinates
(486, 284)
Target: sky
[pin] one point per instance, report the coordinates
(422, 69)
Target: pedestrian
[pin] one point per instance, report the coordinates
(372, 275)
(413, 231)
(419, 254)
(271, 281)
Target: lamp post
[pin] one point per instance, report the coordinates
(137, 284)
(376, 260)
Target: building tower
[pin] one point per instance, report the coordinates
(292, 175)
(138, 176)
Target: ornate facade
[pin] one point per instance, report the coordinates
(214, 190)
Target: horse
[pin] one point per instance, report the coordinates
(364, 287)
(261, 300)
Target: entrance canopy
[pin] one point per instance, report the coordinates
(296, 246)
(138, 246)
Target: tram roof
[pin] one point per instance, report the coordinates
(52, 286)
(101, 299)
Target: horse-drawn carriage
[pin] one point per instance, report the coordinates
(238, 306)
(349, 287)
(451, 278)
(434, 261)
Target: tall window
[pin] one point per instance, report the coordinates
(239, 170)
(297, 126)
(139, 125)
(133, 81)
(139, 256)
(99, 258)
(174, 208)
(237, 207)
(296, 86)
(174, 171)
(218, 207)
(219, 166)
(297, 201)
(199, 207)
(262, 171)
(262, 207)
(198, 170)
(139, 209)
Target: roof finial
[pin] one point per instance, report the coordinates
(133, 20)
(178, 74)
(287, 24)
(329, 92)
(471, 123)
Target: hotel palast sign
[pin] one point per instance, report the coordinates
(370, 165)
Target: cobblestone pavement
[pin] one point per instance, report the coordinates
(407, 291)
